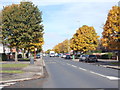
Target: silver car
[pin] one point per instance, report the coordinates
(83, 57)
(91, 58)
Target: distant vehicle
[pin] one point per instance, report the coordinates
(91, 58)
(44, 54)
(63, 56)
(52, 53)
(68, 56)
(83, 57)
(38, 56)
(56, 54)
(59, 55)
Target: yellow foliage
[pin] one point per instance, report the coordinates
(111, 33)
(62, 47)
(84, 39)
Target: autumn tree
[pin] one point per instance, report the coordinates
(48, 51)
(111, 34)
(22, 26)
(0, 27)
(62, 47)
(84, 39)
(57, 48)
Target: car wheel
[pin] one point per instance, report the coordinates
(96, 60)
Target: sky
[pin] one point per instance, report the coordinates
(61, 18)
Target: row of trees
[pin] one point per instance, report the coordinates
(86, 39)
(62, 47)
(22, 26)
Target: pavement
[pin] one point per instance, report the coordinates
(105, 63)
(32, 71)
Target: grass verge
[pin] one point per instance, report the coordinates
(11, 71)
(116, 63)
(23, 59)
(13, 65)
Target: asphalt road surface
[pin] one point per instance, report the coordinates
(65, 73)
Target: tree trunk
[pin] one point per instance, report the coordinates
(28, 54)
(24, 53)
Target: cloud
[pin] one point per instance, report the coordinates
(50, 2)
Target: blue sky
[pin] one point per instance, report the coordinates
(61, 18)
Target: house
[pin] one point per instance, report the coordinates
(1, 48)
(4, 48)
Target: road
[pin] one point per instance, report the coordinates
(65, 73)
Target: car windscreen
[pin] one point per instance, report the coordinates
(86, 55)
(67, 55)
(52, 53)
(92, 56)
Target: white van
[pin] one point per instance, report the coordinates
(52, 53)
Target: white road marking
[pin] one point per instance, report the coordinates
(108, 77)
(97, 73)
(68, 64)
(74, 66)
(112, 78)
(82, 69)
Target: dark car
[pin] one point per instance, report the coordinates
(91, 58)
(38, 56)
(68, 56)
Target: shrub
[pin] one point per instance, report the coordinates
(77, 56)
(106, 56)
(23, 59)
(19, 55)
(4, 57)
(97, 51)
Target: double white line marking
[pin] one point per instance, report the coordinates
(108, 77)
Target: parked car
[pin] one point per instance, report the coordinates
(68, 56)
(91, 58)
(44, 54)
(38, 56)
(59, 55)
(56, 54)
(83, 57)
(63, 56)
